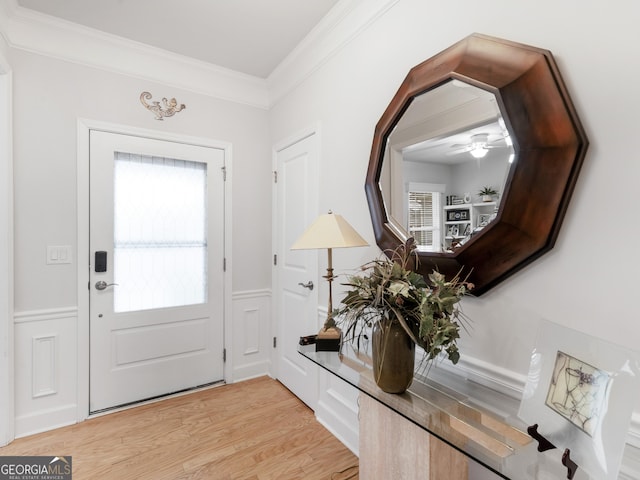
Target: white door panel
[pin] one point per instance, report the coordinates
(297, 208)
(160, 329)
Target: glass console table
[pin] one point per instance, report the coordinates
(472, 419)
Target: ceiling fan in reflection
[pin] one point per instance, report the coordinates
(479, 145)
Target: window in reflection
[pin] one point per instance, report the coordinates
(453, 136)
(424, 219)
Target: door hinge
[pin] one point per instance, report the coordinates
(224, 355)
(275, 259)
(275, 176)
(224, 264)
(224, 174)
(275, 342)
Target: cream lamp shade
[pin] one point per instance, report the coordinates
(329, 231)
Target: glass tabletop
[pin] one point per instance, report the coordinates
(479, 422)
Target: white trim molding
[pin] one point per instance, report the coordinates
(345, 22)
(337, 409)
(44, 365)
(46, 314)
(52, 381)
(6, 254)
(46, 369)
(251, 335)
(496, 378)
(35, 32)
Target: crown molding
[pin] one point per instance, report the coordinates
(347, 20)
(42, 34)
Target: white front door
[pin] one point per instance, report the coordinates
(156, 268)
(297, 306)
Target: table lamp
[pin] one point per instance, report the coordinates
(329, 231)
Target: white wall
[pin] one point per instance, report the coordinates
(6, 258)
(577, 282)
(586, 282)
(50, 96)
(589, 280)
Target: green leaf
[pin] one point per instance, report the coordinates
(399, 288)
(385, 288)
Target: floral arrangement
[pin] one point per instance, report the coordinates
(387, 289)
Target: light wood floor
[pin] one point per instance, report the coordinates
(253, 430)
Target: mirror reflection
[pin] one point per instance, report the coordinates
(445, 166)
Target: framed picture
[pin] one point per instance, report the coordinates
(483, 220)
(577, 391)
(581, 391)
(455, 215)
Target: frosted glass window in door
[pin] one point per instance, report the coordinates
(160, 243)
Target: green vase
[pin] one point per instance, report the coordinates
(393, 357)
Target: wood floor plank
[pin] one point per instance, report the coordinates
(253, 430)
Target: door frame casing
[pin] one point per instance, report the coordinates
(7, 351)
(84, 126)
(311, 130)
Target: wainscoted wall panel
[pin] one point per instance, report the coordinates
(337, 406)
(43, 365)
(45, 369)
(251, 327)
(251, 334)
(338, 409)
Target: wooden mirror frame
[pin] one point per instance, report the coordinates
(550, 147)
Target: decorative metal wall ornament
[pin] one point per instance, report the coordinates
(168, 108)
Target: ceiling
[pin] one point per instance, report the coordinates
(440, 125)
(247, 36)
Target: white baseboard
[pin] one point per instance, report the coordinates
(251, 370)
(346, 437)
(496, 378)
(44, 420)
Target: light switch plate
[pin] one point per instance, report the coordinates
(58, 254)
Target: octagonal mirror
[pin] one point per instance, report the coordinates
(476, 158)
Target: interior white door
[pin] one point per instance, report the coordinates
(297, 313)
(156, 268)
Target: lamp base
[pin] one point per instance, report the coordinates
(328, 340)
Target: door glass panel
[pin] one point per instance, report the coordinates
(160, 242)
